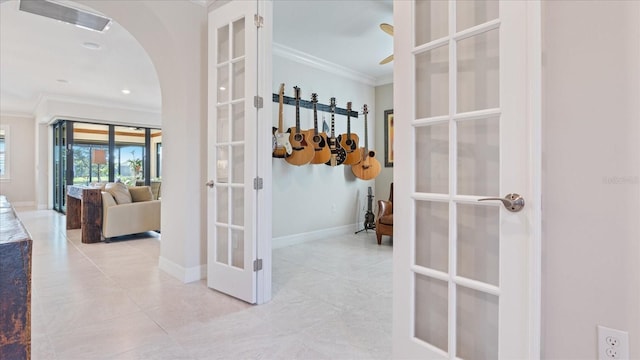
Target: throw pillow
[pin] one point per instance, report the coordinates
(120, 192)
(141, 193)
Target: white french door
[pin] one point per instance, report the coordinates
(466, 105)
(239, 143)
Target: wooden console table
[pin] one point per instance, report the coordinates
(15, 285)
(84, 211)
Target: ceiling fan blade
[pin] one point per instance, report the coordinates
(387, 28)
(386, 60)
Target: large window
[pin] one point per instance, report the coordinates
(130, 155)
(90, 153)
(86, 154)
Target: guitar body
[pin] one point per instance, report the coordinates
(354, 156)
(368, 168)
(369, 221)
(281, 145)
(349, 145)
(320, 146)
(338, 155)
(303, 151)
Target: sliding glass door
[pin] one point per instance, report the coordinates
(86, 154)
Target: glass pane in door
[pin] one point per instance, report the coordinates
(436, 14)
(237, 252)
(432, 235)
(478, 156)
(238, 38)
(478, 247)
(470, 13)
(129, 156)
(478, 67)
(91, 153)
(431, 311)
(432, 158)
(432, 83)
(222, 245)
(477, 324)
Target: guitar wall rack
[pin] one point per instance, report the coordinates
(309, 105)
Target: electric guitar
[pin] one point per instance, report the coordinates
(369, 167)
(369, 218)
(337, 152)
(319, 140)
(349, 142)
(281, 144)
(302, 152)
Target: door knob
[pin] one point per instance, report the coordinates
(513, 202)
(210, 183)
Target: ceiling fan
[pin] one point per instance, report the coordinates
(389, 30)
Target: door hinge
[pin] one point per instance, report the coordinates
(258, 20)
(257, 265)
(258, 102)
(257, 183)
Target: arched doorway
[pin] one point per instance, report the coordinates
(173, 33)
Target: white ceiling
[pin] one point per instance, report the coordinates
(343, 32)
(38, 54)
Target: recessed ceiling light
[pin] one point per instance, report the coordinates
(126, 91)
(63, 81)
(222, 88)
(91, 45)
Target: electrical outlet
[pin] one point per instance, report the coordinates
(612, 344)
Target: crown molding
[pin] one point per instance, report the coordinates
(16, 114)
(43, 98)
(384, 80)
(320, 64)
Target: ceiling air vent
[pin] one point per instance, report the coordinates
(66, 14)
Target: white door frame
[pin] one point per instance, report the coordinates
(403, 40)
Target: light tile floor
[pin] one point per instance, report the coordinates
(331, 300)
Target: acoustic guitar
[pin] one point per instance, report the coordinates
(281, 144)
(318, 139)
(337, 152)
(369, 167)
(349, 142)
(302, 152)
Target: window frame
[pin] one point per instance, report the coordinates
(6, 176)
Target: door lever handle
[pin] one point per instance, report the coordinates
(512, 202)
(210, 184)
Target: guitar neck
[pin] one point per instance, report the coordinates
(333, 121)
(315, 119)
(297, 114)
(366, 135)
(281, 115)
(349, 120)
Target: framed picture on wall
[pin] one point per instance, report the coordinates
(388, 138)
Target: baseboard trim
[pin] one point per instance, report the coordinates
(186, 275)
(23, 204)
(295, 239)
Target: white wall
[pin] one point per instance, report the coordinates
(174, 35)
(384, 101)
(304, 197)
(20, 187)
(591, 186)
